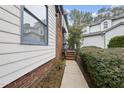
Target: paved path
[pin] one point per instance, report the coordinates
(73, 77)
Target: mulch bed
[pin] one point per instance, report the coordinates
(54, 77)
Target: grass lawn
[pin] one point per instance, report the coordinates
(54, 77)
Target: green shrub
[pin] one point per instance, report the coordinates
(106, 67)
(117, 41)
(91, 47)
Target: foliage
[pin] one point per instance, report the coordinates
(117, 10)
(117, 41)
(75, 17)
(86, 18)
(74, 38)
(105, 66)
(92, 47)
(102, 10)
(109, 12)
(79, 20)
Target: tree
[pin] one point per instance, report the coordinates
(74, 37)
(79, 20)
(102, 10)
(75, 17)
(86, 18)
(117, 11)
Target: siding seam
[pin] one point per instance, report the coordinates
(24, 59)
(9, 22)
(3, 31)
(24, 51)
(9, 12)
(19, 43)
(25, 67)
(17, 7)
(9, 32)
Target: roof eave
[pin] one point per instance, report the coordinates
(103, 32)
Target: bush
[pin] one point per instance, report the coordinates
(117, 41)
(91, 47)
(106, 67)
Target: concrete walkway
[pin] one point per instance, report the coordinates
(73, 77)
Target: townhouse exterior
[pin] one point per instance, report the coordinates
(32, 40)
(100, 33)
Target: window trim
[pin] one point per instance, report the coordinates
(23, 9)
(105, 23)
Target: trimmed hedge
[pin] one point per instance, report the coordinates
(105, 66)
(117, 41)
(92, 47)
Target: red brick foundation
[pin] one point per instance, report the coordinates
(28, 79)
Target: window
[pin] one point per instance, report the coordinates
(105, 24)
(34, 25)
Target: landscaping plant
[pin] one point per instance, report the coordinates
(117, 41)
(105, 66)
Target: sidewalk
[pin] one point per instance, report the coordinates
(73, 77)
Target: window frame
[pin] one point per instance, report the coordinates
(23, 9)
(105, 24)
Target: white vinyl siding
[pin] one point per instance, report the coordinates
(108, 24)
(15, 59)
(118, 31)
(95, 28)
(115, 22)
(97, 40)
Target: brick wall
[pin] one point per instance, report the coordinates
(28, 79)
(58, 37)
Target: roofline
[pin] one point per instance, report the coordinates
(60, 9)
(100, 22)
(106, 19)
(94, 24)
(93, 34)
(117, 18)
(103, 32)
(121, 23)
(65, 15)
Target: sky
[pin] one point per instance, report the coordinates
(87, 8)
